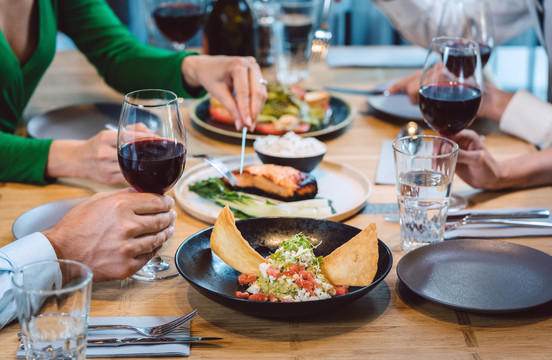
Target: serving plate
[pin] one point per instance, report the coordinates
(348, 189)
(78, 122)
(486, 276)
(43, 217)
(397, 106)
(213, 278)
(341, 116)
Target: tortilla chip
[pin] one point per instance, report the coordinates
(228, 243)
(354, 263)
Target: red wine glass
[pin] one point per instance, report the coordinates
(469, 19)
(450, 90)
(151, 149)
(178, 20)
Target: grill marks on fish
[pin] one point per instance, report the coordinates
(275, 181)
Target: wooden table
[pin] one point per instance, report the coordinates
(384, 324)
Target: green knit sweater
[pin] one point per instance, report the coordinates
(119, 57)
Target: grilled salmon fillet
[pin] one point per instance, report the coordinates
(277, 182)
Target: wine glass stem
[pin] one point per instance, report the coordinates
(157, 264)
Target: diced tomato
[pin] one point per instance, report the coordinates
(341, 290)
(297, 90)
(272, 298)
(242, 295)
(304, 274)
(294, 269)
(245, 279)
(273, 272)
(220, 114)
(270, 129)
(258, 297)
(299, 281)
(307, 285)
(287, 300)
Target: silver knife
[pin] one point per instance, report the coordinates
(147, 341)
(519, 214)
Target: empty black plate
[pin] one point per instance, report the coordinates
(212, 277)
(486, 276)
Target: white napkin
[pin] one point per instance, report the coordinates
(132, 350)
(491, 231)
(385, 173)
(376, 56)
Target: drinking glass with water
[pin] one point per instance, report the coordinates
(424, 168)
(53, 304)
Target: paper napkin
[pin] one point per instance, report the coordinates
(487, 231)
(132, 351)
(385, 173)
(376, 56)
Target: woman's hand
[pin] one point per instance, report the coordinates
(114, 233)
(94, 159)
(235, 81)
(410, 85)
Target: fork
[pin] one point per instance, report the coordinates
(158, 330)
(219, 166)
(322, 36)
(467, 221)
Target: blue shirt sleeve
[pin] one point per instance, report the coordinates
(31, 248)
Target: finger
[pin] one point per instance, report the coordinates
(147, 203)
(148, 243)
(258, 92)
(151, 224)
(242, 89)
(227, 100)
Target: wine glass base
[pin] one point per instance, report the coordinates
(457, 203)
(157, 270)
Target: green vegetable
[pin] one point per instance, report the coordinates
(248, 206)
(292, 245)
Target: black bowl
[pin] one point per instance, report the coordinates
(213, 278)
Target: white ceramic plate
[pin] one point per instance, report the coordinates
(347, 188)
(397, 106)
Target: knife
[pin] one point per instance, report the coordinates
(373, 92)
(506, 214)
(147, 341)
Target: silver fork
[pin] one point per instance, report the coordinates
(158, 330)
(322, 36)
(467, 221)
(219, 166)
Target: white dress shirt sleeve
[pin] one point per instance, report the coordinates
(528, 118)
(31, 248)
(418, 20)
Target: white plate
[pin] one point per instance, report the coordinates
(347, 188)
(395, 105)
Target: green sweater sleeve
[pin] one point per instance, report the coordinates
(23, 159)
(120, 58)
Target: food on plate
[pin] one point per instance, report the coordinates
(289, 145)
(287, 108)
(245, 205)
(354, 263)
(228, 243)
(275, 181)
(293, 272)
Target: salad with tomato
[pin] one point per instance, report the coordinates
(287, 108)
(291, 274)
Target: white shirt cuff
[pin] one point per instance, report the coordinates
(528, 118)
(28, 249)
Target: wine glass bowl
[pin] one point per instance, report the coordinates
(178, 20)
(151, 149)
(469, 19)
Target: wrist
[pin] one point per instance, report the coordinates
(188, 68)
(62, 159)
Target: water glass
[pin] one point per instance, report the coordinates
(53, 303)
(294, 31)
(424, 168)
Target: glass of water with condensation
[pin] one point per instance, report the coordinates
(424, 168)
(53, 304)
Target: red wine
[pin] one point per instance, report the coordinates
(459, 63)
(178, 22)
(152, 165)
(449, 108)
(485, 51)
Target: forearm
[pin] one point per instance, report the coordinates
(527, 171)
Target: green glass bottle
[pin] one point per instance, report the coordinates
(230, 29)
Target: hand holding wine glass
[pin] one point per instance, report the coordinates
(178, 20)
(152, 153)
